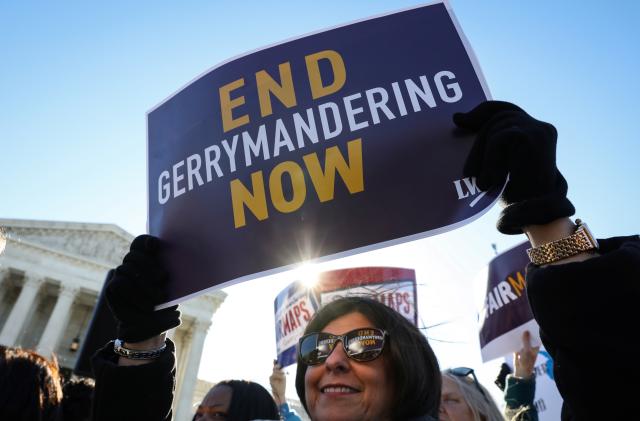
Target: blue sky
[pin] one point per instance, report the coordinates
(76, 79)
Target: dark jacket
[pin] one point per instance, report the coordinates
(589, 317)
(519, 394)
(143, 392)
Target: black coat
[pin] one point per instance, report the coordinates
(143, 392)
(589, 317)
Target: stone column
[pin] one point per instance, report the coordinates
(58, 320)
(20, 311)
(4, 282)
(198, 334)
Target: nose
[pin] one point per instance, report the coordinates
(337, 361)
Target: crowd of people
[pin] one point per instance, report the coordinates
(359, 359)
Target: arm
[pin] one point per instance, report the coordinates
(521, 386)
(585, 305)
(133, 392)
(137, 386)
(278, 383)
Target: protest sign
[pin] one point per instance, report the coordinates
(323, 146)
(506, 313)
(294, 307)
(296, 304)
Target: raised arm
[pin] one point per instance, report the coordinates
(135, 374)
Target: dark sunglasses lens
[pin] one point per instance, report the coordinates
(461, 371)
(315, 348)
(364, 344)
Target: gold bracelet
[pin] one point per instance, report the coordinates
(579, 242)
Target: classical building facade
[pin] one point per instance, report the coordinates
(51, 274)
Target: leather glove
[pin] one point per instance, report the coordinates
(510, 141)
(135, 287)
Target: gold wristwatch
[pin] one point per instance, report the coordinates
(580, 241)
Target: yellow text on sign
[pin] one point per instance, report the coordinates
(232, 97)
(254, 199)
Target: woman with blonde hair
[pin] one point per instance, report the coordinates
(463, 398)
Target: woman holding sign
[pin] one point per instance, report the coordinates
(361, 360)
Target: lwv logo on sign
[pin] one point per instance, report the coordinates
(466, 188)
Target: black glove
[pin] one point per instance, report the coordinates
(501, 380)
(510, 141)
(135, 287)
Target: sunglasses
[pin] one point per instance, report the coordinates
(464, 372)
(363, 344)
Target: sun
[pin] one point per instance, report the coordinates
(307, 273)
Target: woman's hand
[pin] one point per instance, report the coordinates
(510, 141)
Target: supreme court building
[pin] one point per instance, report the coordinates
(51, 274)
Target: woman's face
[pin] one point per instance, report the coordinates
(215, 405)
(341, 389)
(453, 407)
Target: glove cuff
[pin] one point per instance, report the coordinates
(536, 211)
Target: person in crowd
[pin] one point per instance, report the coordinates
(520, 387)
(360, 360)
(278, 381)
(583, 292)
(237, 400)
(77, 396)
(30, 386)
(465, 399)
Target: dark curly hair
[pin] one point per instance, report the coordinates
(30, 386)
(412, 365)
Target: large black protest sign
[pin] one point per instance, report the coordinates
(323, 146)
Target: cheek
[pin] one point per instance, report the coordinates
(311, 379)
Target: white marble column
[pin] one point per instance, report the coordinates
(21, 309)
(198, 334)
(58, 320)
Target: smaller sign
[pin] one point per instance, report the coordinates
(297, 304)
(294, 307)
(506, 313)
(394, 287)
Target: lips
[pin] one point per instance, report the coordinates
(338, 388)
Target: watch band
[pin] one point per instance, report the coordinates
(134, 354)
(580, 241)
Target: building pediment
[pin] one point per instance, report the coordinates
(106, 243)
